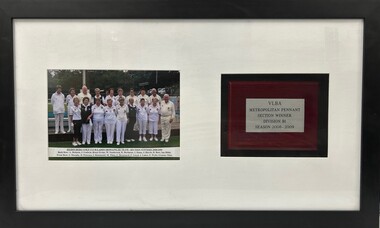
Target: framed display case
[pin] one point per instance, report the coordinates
(274, 115)
(268, 117)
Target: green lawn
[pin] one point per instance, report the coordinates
(173, 142)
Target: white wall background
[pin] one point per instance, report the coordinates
(202, 50)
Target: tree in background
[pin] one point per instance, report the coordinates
(105, 79)
(66, 78)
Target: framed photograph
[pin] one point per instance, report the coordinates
(189, 113)
(111, 124)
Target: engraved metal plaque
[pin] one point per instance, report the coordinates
(275, 115)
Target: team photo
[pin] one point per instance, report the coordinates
(112, 114)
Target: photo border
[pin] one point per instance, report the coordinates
(63, 137)
(366, 10)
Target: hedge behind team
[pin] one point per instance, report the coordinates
(115, 112)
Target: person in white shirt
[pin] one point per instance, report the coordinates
(110, 96)
(86, 113)
(120, 92)
(76, 121)
(142, 118)
(58, 103)
(110, 120)
(121, 120)
(97, 96)
(83, 94)
(154, 112)
(167, 117)
(155, 95)
(98, 120)
(70, 103)
(143, 95)
(133, 96)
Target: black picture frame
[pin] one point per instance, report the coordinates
(367, 10)
(322, 150)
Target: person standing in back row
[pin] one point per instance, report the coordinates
(110, 96)
(83, 94)
(167, 117)
(143, 96)
(97, 96)
(156, 96)
(58, 103)
(120, 92)
(133, 96)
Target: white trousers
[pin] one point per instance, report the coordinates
(69, 121)
(110, 131)
(98, 130)
(153, 127)
(142, 126)
(121, 126)
(166, 127)
(59, 122)
(86, 133)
